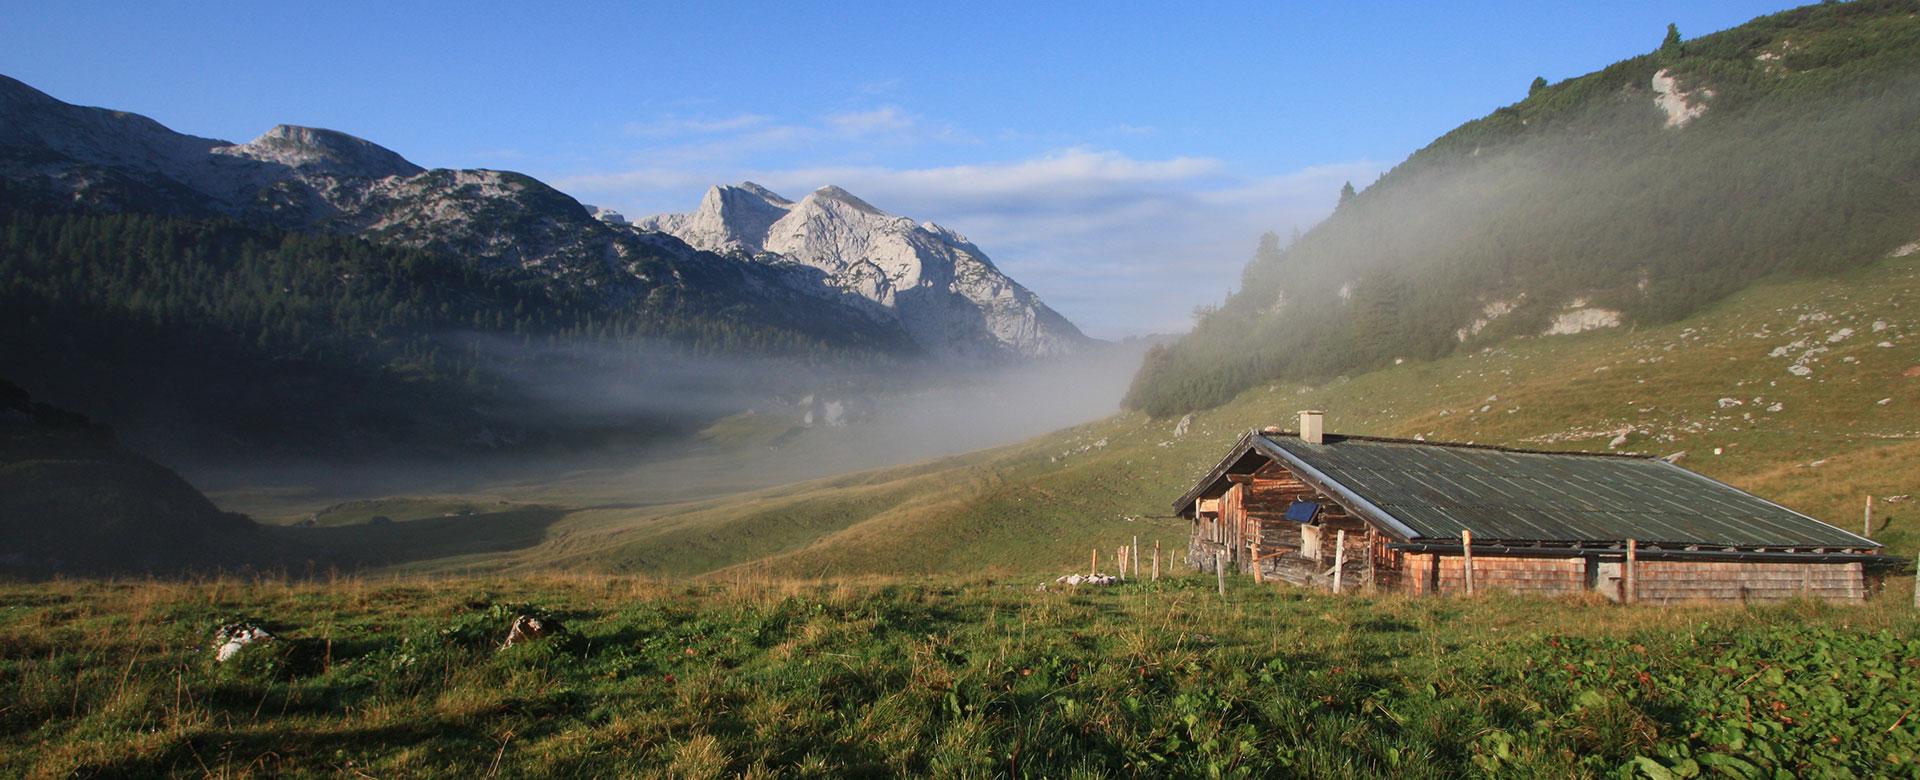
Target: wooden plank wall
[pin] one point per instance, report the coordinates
(1540, 576)
(1668, 581)
(1658, 582)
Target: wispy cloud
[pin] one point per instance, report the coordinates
(674, 139)
(671, 126)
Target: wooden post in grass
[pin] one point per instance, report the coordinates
(1133, 557)
(1628, 575)
(1120, 557)
(1156, 560)
(1096, 563)
(1916, 582)
(1220, 572)
(1466, 558)
(1253, 550)
(1866, 527)
(1339, 557)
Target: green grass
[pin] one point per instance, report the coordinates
(946, 677)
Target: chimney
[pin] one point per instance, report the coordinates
(1312, 422)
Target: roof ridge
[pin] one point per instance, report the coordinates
(1466, 445)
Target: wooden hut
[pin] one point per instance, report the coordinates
(1350, 512)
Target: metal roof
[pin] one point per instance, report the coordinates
(1428, 490)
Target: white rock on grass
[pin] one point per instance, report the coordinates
(527, 628)
(1729, 403)
(1799, 370)
(1840, 335)
(231, 638)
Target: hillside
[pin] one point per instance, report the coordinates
(1636, 195)
(73, 501)
(1809, 390)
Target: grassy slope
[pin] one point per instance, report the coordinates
(951, 678)
(1040, 505)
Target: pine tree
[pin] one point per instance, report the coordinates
(1346, 193)
(1539, 83)
(1672, 42)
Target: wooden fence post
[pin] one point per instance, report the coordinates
(1096, 563)
(1866, 526)
(1367, 564)
(1133, 557)
(1253, 551)
(1916, 582)
(1628, 575)
(1466, 558)
(1156, 560)
(1220, 572)
(1339, 557)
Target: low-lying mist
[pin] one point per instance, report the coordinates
(643, 423)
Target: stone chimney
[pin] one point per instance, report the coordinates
(1312, 426)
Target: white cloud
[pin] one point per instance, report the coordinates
(670, 126)
(712, 140)
(880, 120)
(1119, 245)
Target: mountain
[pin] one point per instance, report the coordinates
(935, 283)
(312, 291)
(1628, 197)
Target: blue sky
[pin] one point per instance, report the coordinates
(1120, 159)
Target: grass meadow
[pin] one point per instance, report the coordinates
(971, 677)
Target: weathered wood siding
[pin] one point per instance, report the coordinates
(1432, 573)
(1278, 541)
(1657, 582)
(1667, 581)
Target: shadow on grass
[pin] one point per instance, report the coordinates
(423, 540)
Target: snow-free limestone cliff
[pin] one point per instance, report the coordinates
(942, 290)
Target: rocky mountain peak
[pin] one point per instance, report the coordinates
(765, 194)
(329, 152)
(941, 288)
(834, 194)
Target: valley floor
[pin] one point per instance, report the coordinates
(973, 677)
